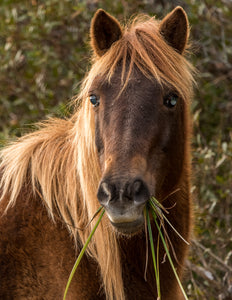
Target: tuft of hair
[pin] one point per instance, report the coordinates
(144, 45)
(60, 162)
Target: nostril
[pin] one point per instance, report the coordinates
(137, 186)
(140, 192)
(105, 192)
(112, 194)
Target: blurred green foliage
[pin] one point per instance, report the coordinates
(44, 54)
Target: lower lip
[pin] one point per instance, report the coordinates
(129, 227)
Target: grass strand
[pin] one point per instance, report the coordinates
(168, 254)
(154, 206)
(82, 253)
(153, 253)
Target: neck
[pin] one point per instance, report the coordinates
(138, 279)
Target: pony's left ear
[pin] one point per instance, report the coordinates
(104, 31)
(175, 29)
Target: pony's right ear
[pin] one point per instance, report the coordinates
(104, 31)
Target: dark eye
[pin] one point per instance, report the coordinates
(94, 100)
(170, 100)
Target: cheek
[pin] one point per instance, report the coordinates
(171, 128)
(174, 151)
(157, 167)
(167, 150)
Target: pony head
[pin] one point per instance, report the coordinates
(137, 91)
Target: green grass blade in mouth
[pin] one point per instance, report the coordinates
(156, 206)
(168, 254)
(155, 262)
(82, 253)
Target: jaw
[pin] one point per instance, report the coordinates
(127, 223)
(129, 228)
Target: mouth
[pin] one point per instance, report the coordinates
(128, 228)
(126, 219)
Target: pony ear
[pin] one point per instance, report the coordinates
(104, 31)
(175, 29)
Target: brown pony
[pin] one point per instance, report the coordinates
(128, 140)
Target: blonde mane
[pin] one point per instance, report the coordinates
(60, 161)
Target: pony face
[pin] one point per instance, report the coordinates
(138, 113)
(136, 133)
